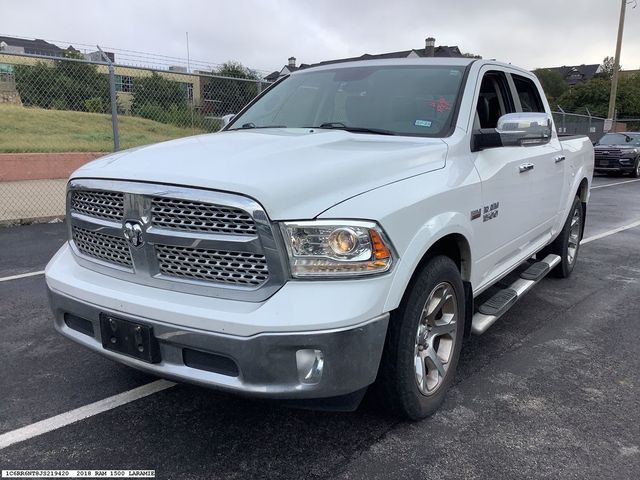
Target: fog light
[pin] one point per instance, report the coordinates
(310, 363)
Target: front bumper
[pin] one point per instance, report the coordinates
(265, 362)
(614, 165)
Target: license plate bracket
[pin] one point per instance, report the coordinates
(129, 338)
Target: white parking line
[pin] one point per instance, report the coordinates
(22, 275)
(64, 419)
(615, 183)
(610, 232)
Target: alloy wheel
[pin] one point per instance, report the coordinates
(435, 338)
(574, 236)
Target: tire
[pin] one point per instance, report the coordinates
(425, 333)
(636, 169)
(567, 243)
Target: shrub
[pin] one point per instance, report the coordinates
(96, 105)
(65, 85)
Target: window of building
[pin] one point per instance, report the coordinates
(124, 83)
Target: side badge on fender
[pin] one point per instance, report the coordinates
(488, 212)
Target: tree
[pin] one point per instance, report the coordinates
(158, 90)
(628, 97)
(607, 68)
(158, 98)
(68, 85)
(236, 70)
(592, 94)
(552, 83)
(226, 95)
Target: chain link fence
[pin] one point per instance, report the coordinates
(58, 113)
(577, 124)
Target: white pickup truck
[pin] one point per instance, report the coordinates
(346, 229)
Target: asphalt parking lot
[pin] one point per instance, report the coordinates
(551, 391)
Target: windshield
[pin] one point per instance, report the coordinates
(620, 139)
(393, 100)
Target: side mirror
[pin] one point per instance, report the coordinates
(515, 130)
(226, 119)
(524, 129)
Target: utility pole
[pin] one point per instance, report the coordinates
(616, 66)
(188, 59)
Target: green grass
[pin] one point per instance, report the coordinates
(30, 130)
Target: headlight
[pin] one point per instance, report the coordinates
(336, 248)
(630, 153)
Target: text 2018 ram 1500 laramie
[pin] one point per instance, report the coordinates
(346, 229)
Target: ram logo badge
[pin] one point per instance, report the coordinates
(133, 233)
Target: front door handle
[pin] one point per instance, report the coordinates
(525, 167)
(560, 158)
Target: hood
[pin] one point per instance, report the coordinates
(293, 173)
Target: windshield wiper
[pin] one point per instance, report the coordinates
(248, 126)
(342, 126)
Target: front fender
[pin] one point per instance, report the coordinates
(416, 213)
(438, 227)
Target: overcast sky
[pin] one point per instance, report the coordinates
(262, 34)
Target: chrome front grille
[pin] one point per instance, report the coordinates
(236, 268)
(200, 217)
(109, 205)
(103, 247)
(181, 239)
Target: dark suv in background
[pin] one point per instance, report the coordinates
(618, 153)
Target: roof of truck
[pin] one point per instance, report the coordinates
(442, 61)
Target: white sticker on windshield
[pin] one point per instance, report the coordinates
(422, 123)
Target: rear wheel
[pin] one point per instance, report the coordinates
(424, 342)
(567, 244)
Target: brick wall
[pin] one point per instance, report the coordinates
(41, 166)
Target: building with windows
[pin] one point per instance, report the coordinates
(30, 47)
(577, 73)
(26, 53)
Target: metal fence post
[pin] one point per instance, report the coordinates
(259, 89)
(564, 119)
(114, 101)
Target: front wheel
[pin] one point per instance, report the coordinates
(636, 169)
(424, 342)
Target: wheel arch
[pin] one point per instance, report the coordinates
(583, 194)
(583, 190)
(452, 244)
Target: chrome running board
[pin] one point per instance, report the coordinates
(501, 302)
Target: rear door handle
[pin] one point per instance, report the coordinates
(560, 158)
(525, 167)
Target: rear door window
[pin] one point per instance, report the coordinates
(530, 100)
